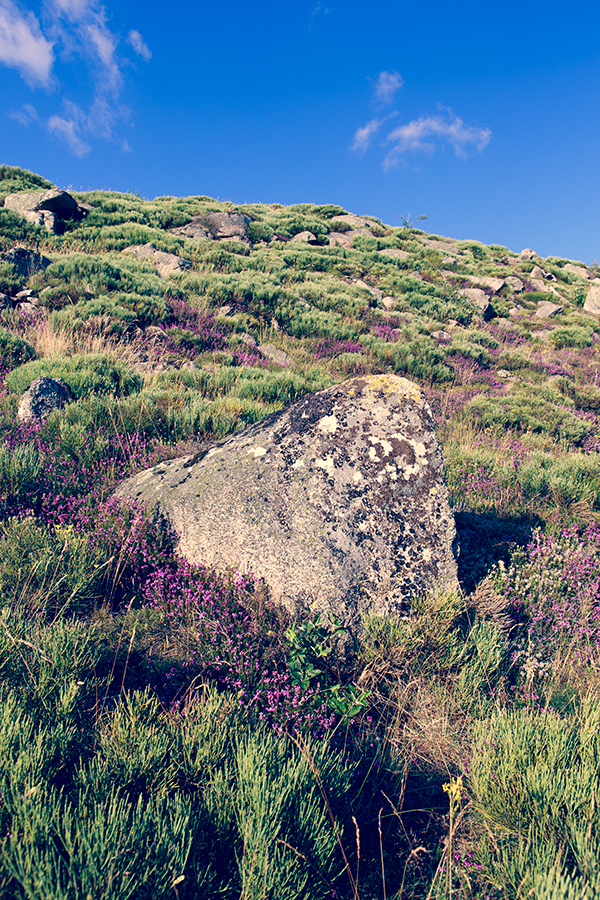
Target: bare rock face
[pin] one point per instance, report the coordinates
(47, 208)
(338, 500)
(42, 397)
(592, 301)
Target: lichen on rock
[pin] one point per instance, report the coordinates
(338, 501)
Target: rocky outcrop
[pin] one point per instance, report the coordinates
(592, 301)
(46, 208)
(166, 263)
(25, 262)
(217, 226)
(42, 397)
(338, 500)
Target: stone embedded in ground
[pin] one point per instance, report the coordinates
(541, 285)
(514, 283)
(394, 253)
(341, 240)
(479, 299)
(166, 263)
(493, 283)
(304, 237)
(338, 500)
(275, 355)
(546, 310)
(351, 220)
(25, 262)
(45, 208)
(216, 226)
(42, 397)
(528, 253)
(375, 292)
(579, 271)
(389, 302)
(592, 301)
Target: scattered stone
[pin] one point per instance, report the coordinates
(337, 501)
(394, 253)
(514, 283)
(46, 208)
(25, 262)
(304, 237)
(494, 283)
(279, 357)
(353, 221)
(536, 272)
(246, 338)
(304, 303)
(546, 310)
(216, 226)
(166, 263)
(479, 298)
(27, 308)
(540, 285)
(442, 246)
(22, 295)
(579, 271)
(592, 301)
(389, 302)
(367, 287)
(503, 373)
(336, 238)
(42, 397)
(225, 310)
(416, 275)
(527, 253)
(441, 335)
(515, 311)
(449, 261)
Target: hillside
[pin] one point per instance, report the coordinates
(155, 698)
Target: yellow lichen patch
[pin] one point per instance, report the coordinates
(391, 384)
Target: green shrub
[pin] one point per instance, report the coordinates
(14, 351)
(87, 374)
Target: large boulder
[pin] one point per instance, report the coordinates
(46, 208)
(337, 501)
(42, 397)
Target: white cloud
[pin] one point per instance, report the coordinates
(26, 115)
(68, 130)
(23, 46)
(425, 134)
(387, 86)
(363, 137)
(135, 40)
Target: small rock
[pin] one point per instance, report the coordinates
(304, 303)
(514, 283)
(579, 271)
(543, 287)
(395, 253)
(225, 310)
(536, 272)
(546, 310)
(246, 338)
(27, 308)
(503, 373)
(449, 261)
(341, 240)
(42, 397)
(527, 253)
(304, 237)
(350, 219)
(389, 302)
(441, 335)
(22, 295)
(166, 263)
(46, 208)
(515, 311)
(592, 301)
(367, 287)
(25, 262)
(479, 298)
(275, 355)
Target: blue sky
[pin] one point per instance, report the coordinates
(483, 117)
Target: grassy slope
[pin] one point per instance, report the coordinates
(160, 365)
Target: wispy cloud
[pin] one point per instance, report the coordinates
(138, 43)
(27, 115)
(77, 33)
(387, 86)
(23, 46)
(363, 137)
(425, 134)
